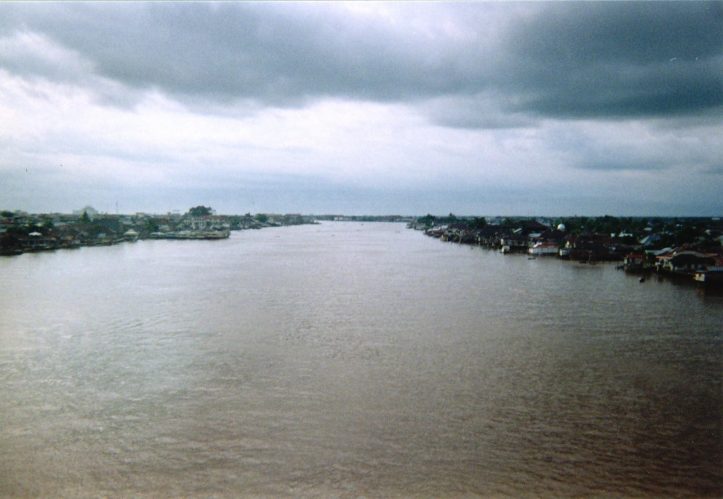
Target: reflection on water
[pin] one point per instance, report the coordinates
(351, 359)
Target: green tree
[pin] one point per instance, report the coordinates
(478, 223)
(427, 220)
(151, 225)
(687, 234)
(200, 211)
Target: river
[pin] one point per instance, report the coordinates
(351, 359)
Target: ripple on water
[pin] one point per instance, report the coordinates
(348, 359)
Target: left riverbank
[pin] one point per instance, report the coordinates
(22, 232)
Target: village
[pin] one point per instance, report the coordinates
(21, 232)
(687, 249)
(684, 248)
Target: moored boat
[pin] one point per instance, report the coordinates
(544, 248)
(709, 277)
(192, 234)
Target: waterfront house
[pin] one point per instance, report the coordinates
(553, 236)
(533, 226)
(534, 238)
(589, 247)
(514, 241)
(488, 235)
(650, 240)
(690, 261)
(684, 262)
(36, 241)
(634, 262)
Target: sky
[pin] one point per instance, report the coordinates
(564, 108)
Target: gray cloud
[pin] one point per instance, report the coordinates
(317, 106)
(619, 59)
(619, 164)
(713, 169)
(476, 111)
(279, 54)
(578, 60)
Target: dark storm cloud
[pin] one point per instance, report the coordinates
(579, 60)
(277, 54)
(619, 59)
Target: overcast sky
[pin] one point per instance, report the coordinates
(363, 108)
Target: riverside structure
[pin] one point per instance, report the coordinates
(684, 248)
(21, 232)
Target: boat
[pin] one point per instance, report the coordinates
(709, 277)
(544, 248)
(192, 234)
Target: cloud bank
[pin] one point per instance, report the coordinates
(399, 102)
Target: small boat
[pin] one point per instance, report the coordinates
(709, 277)
(544, 248)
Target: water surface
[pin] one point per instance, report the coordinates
(351, 359)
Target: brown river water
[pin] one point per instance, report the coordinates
(348, 359)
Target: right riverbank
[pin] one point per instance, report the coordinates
(683, 249)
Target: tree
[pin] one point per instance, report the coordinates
(151, 225)
(9, 242)
(84, 218)
(262, 218)
(235, 221)
(200, 211)
(479, 223)
(428, 220)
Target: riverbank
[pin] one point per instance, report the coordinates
(683, 249)
(23, 233)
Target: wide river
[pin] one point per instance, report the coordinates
(351, 359)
